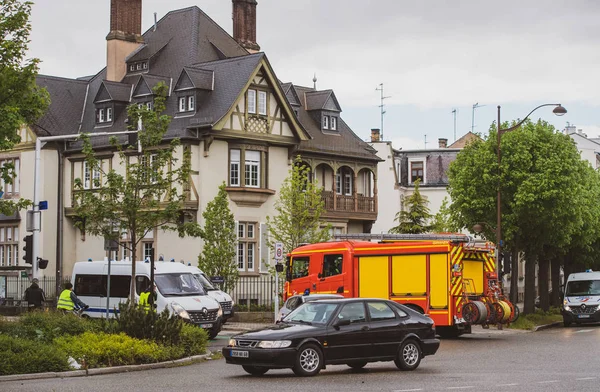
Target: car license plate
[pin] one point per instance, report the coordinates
(239, 354)
(206, 325)
(584, 316)
(227, 312)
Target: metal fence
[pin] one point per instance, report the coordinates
(16, 286)
(257, 293)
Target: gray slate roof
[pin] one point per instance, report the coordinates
(64, 114)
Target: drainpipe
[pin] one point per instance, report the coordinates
(59, 220)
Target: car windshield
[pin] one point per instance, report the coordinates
(206, 285)
(312, 313)
(178, 285)
(583, 287)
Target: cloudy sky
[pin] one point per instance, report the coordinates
(431, 56)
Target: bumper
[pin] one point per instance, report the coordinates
(430, 346)
(208, 326)
(581, 318)
(227, 316)
(272, 358)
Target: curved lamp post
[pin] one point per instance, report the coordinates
(559, 110)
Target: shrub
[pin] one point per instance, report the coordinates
(20, 356)
(161, 328)
(193, 340)
(101, 349)
(45, 326)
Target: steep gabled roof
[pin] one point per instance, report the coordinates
(321, 100)
(113, 91)
(467, 138)
(198, 78)
(147, 82)
(64, 114)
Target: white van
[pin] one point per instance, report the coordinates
(177, 290)
(222, 297)
(582, 298)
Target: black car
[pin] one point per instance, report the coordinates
(352, 331)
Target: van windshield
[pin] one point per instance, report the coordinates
(583, 287)
(206, 285)
(178, 285)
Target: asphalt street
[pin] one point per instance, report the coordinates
(558, 359)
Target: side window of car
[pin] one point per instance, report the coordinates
(355, 312)
(292, 303)
(332, 265)
(380, 311)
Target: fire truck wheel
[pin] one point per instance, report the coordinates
(309, 361)
(357, 365)
(409, 356)
(516, 313)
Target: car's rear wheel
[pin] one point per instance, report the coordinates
(409, 356)
(309, 361)
(357, 364)
(255, 370)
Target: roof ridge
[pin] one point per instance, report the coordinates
(63, 78)
(245, 56)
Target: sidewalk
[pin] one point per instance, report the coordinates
(231, 326)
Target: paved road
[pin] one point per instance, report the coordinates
(561, 359)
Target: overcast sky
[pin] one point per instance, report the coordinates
(431, 56)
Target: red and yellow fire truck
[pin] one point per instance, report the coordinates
(452, 278)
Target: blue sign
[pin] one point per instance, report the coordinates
(43, 205)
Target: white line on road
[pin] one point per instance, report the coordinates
(508, 385)
(585, 378)
(408, 390)
(583, 330)
(465, 387)
(548, 381)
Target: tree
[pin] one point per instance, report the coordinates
(149, 191)
(414, 218)
(443, 222)
(22, 102)
(299, 209)
(540, 182)
(219, 235)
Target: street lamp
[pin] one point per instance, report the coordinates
(559, 110)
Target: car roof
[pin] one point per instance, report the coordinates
(314, 297)
(344, 300)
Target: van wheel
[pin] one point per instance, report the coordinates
(309, 361)
(409, 356)
(566, 322)
(212, 334)
(255, 370)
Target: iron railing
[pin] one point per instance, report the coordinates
(16, 286)
(257, 293)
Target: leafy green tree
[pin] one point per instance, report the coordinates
(220, 238)
(299, 210)
(414, 218)
(148, 193)
(22, 102)
(443, 222)
(540, 184)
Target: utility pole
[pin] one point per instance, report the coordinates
(381, 107)
(454, 113)
(425, 141)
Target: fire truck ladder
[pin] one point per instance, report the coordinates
(404, 237)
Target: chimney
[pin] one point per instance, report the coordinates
(443, 143)
(244, 24)
(124, 37)
(375, 134)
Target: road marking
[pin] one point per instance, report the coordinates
(408, 390)
(508, 385)
(465, 387)
(547, 382)
(585, 378)
(583, 330)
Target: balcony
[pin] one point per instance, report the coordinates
(356, 206)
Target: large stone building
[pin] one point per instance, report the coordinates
(242, 126)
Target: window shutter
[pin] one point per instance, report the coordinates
(265, 261)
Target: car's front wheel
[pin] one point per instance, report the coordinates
(309, 361)
(409, 356)
(255, 370)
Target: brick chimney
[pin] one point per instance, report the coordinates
(244, 24)
(124, 37)
(375, 132)
(443, 143)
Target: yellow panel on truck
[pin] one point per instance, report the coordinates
(473, 276)
(438, 281)
(373, 277)
(409, 275)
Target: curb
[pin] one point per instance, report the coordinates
(548, 326)
(109, 370)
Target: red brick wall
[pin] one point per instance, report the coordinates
(126, 16)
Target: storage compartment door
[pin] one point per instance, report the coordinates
(409, 275)
(438, 281)
(473, 277)
(373, 277)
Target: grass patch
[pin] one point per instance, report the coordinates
(540, 317)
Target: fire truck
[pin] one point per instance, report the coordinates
(451, 278)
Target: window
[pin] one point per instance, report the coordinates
(300, 267)
(355, 312)
(108, 114)
(247, 245)
(92, 178)
(343, 181)
(12, 166)
(132, 67)
(333, 123)
(380, 311)
(182, 104)
(251, 101)
(325, 122)
(186, 103)
(145, 65)
(252, 169)
(416, 171)
(104, 115)
(347, 184)
(9, 246)
(262, 102)
(151, 163)
(332, 265)
(252, 174)
(148, 250)
(95, 285)
(141, 283)
(191, 103)
(138, 66)
(101, 115)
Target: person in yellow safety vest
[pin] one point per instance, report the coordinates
(67, 301)
(145, 299)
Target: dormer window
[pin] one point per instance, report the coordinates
(187, 103)
(132, 67)
(101, 117)
(333, 123)
(104, 115)
(139, 66)
(108, 114)
(191, 104)
(325, 122)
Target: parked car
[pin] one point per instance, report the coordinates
(351, 331)
(296, 300)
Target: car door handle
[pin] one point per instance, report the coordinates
(365, 328)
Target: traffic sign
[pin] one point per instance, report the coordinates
(278, 251)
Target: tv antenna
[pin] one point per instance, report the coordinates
(454, 111)
(381, 107)
(425, 141)
(475, 106)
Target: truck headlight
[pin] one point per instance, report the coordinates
(220, 311)
(180, 311)
(566, 307)
(275, 343)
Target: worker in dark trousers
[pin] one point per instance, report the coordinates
(34, 296)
